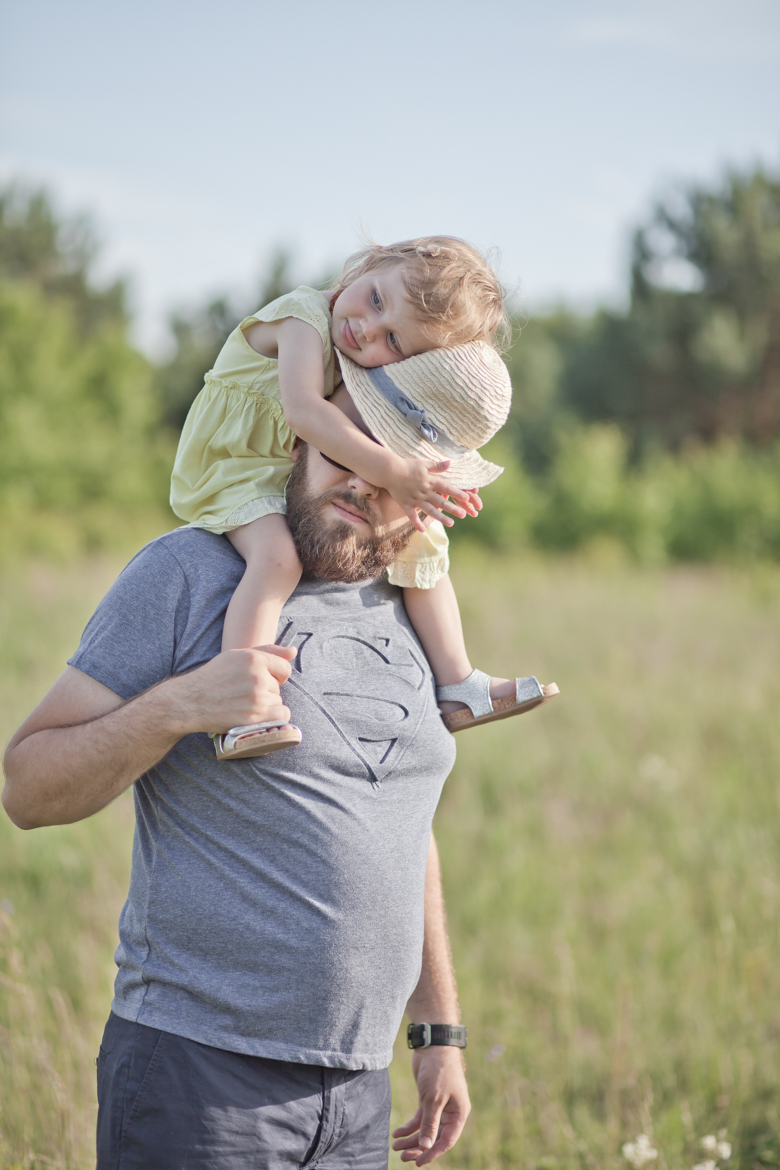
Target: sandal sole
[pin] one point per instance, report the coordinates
(262, 743)
(502, 709)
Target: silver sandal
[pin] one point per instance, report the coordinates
(474, 691)
(256, 739)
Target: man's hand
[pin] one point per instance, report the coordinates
(444, 1106)
(233, 689)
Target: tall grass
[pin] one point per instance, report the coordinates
(61, 890)
(611, 868)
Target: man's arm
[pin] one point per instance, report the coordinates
(83, 745)
(439, 1070)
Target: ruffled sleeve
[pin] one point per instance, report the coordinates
(306, 304)
(424, 560)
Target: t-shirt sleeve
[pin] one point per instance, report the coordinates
(130, 641)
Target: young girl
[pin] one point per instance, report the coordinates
(271, 383)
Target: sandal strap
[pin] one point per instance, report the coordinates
(230, 738)
(474, 691)
(256, 726)
(527, 689)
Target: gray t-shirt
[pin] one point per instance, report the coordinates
(276, 904)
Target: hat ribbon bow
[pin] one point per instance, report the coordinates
(416, 415)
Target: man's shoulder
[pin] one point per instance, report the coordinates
(163, 614)
(188, 567)
(195, 551)
(207, 569)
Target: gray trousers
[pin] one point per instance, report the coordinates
(166, 1103)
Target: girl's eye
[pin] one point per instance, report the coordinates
(375, 301)
(391, 337)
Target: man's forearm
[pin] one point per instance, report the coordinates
(441, 1083)
(435, 998)
(83, 745)
(63, 774)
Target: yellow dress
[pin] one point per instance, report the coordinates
(234, 455)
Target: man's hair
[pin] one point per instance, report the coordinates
(337, 552)
(450, 285)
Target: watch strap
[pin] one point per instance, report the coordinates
(424, 1035)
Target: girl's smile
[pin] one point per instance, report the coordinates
(348, 336)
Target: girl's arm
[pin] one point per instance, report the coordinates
(411, 482)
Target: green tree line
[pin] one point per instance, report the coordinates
(84, 456)
(656, 428)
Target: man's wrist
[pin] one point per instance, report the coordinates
(172, 700)
(439, 1055)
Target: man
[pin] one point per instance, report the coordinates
(281, 910)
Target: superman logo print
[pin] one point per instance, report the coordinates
(371, 684)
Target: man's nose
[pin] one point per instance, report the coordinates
(361, 487)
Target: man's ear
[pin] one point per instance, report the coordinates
(296, 449)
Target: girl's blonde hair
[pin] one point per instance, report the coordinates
(454, 291)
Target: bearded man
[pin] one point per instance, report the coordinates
(282, 911)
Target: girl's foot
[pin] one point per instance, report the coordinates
(481, 699)
(256, 739)
(500, 688)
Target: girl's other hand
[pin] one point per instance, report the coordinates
(417, 487)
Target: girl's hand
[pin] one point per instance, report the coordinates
(417, 487)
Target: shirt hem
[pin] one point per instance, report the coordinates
(269, 1049)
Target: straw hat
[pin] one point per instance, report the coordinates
(438, 405)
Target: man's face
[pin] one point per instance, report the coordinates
(345, 529)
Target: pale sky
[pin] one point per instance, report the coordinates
(202, 135)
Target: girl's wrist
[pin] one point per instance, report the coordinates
(386, 468)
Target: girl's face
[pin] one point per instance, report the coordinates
(373, 322)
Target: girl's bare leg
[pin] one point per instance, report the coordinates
(435, 616)
(272, 572)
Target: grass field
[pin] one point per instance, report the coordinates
(611, 868)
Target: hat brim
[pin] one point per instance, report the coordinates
(469, 471)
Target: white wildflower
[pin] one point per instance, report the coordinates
(640, 1151)
(495, 1052)
(717, 1147)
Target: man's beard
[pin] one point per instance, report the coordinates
(337, 551)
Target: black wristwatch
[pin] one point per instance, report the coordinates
(424, 1035)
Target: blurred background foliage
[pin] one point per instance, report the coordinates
(84, 454)
(653, 430)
